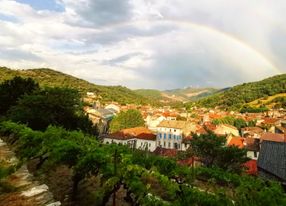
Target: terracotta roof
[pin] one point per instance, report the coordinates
(165, 152)
(136, 132)
(236, 141)
(168, 114)
(252, 144)
(273, 137)
(210, 126)
(252, 129)
(269, 120)
(215, 116)
(251, 167)
(173, 124)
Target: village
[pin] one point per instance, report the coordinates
(168, 131)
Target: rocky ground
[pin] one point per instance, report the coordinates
(26, 190)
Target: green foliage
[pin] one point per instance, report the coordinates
(147, 179)
(213, 152)
(12, 90)
(237, 122)
(235, 97)
(280, 102)
(56, 106)
(249, 109)
(129, 119)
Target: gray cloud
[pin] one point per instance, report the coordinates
(18, 55)
(148, 43)
(123, 32)
(100, 12)
(121, 59)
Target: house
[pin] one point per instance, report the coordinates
(252, 145)
(113, 107)
(273, 137)
(153, 121)
(170, 134)
(101, 117)
(272, 160)
(270, 123)
(138, 138)
(253, 132)
(226, 129)
(235, 141)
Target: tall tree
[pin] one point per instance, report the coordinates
(213, 152)
(55, 106)
(12, 90)
(130, 118)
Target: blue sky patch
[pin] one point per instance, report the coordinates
(10, 18)
(51, 5)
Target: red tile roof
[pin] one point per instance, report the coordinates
(165, 152)
(269, 120)
(273, 137)
(236, 141)
(210, 126)
(136, 132)
(251, 167)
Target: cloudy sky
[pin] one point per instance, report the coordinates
(161, 44)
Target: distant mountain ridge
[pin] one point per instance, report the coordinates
(52, 78)
(238, 96)
(179, 95)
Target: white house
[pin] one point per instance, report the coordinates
(138, 137)
(170, 134)
(226, 129)
(153, 121)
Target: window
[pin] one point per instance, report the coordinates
(255, 154)
(141, 143)
(178, 137)
(165, 135)
(174, 130)
(170, 130)
(164, 144)
(170, 136)
(149, 144)
(160, 135)
(174, 136)
(179, 146)
(169, 145)
(175, 145)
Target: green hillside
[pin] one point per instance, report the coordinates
(236, 97)
(191, 93)
(176, 95)
(52, 78)
(150, 93)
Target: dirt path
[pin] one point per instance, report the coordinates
(28, 192)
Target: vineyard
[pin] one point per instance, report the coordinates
(146, 179)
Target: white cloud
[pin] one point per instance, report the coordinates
(149, 43)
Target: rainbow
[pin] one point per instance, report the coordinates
(208, 29)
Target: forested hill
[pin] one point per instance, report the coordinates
(176, 95)
(52, 78)
(236, 97)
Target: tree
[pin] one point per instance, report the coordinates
(129, 119)
(55, 106)
(213, 152)
(207, 147)
(12, 90)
